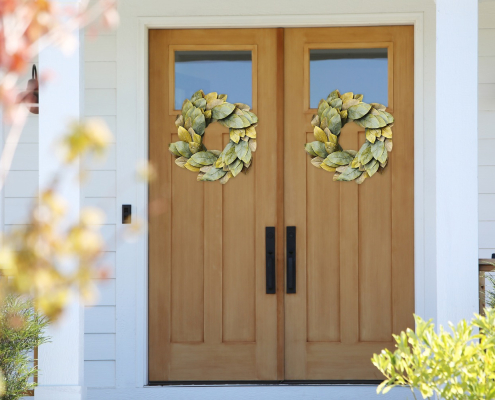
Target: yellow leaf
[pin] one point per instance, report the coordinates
(370, 136)
(327, 168)
(196, 138)
(191, 168)
(184, 135)
(211, 96)
(347, 96)
(320, 135)
(234, 136)
(251, 132)
(387, 132)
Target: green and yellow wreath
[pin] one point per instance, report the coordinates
(197, 113)
(326, 153)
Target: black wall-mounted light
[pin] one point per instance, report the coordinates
(31, 95)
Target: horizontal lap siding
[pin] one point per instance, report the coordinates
(21, 186)
(100, 190)
(486, 129)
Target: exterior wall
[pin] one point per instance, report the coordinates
(21, 187)
(486, 129)
(100, 190)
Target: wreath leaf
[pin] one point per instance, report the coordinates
(377, 149)
(320, 135)
(204, 158)
(340, 158)
(308, 147)
(184, 135)
(372, 167)
(319, 149)
(335, 124)
(183, 149)
(230, 155)
(366, 156)
(241, 149)
(213, 174)
(350, 174)
(358, 110)
(222, 111)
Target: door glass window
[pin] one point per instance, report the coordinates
(228, 72)
(363, 71)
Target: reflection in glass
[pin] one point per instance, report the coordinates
(228, 72)
(363, 71)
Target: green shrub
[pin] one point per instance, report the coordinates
(21, 330)
(490, 293)
(451, 365)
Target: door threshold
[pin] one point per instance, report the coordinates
(266, 383)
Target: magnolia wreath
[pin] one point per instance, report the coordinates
(348, 165)
(197, 113)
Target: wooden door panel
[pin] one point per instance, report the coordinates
(209, 315)
(355, 244)
(323, 280)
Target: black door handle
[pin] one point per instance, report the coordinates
(270, 259)
(291, 259)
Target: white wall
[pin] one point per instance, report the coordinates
(21, 187)
(486, 129)
(100, 190)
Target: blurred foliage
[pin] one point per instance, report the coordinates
(449, 365)
(46, 258)
(27, 26)
(53, 255)
(22, 329)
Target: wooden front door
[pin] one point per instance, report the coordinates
(210, 317)
(355, 244)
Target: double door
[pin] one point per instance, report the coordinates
(351, 276)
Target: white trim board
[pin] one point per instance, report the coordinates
(243, 392)
(132, 129)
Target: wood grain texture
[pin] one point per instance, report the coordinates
(209, 315)
(355, 244)
(323, 282)
(280, 225)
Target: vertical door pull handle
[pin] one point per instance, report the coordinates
(291, 259)
(270, 259)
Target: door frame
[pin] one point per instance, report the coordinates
(142, 135)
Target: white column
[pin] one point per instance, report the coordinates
(61, 362)
(456, 159)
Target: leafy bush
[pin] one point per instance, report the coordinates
(490, 291)
(451, 365)
(21, 330)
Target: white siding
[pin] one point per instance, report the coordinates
(100, 319)
(21, 186)
(99, 347)
(100, 374)
(486, 129)
(100, 190)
